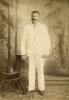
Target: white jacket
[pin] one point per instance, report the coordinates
(35, 40)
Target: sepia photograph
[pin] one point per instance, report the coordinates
(34, 49)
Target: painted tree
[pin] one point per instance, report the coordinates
(6, 23)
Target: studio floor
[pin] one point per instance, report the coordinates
(56, 89)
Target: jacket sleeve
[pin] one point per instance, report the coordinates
(23, 42)
(46, 42)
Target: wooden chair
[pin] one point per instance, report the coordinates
(12, 76)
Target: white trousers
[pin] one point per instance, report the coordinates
(36, 63)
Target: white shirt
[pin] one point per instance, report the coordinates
(35, 40)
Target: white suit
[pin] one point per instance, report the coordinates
(35, 43)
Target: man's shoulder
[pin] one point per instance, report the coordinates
(43, 26)
(27, 26)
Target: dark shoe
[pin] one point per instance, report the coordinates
(31, 93)
(42, 92)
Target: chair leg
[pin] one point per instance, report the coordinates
(16, 84)
(2, 88)
(22, 86)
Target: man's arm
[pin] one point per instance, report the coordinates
(23, 45)
(46, 43)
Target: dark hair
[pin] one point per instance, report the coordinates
(35, 11)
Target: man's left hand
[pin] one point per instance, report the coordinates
(44, 56)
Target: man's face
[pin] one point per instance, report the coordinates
(35, 16)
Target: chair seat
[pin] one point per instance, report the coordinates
(10, 76)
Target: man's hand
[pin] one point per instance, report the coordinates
(44, 56)
(24, 58)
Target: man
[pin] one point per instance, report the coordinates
(35, 45)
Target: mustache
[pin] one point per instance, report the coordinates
(34, 19)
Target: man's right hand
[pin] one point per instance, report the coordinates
(24, 57)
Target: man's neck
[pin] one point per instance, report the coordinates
(35, 23)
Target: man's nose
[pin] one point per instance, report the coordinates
(34, 17)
